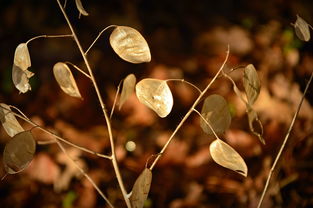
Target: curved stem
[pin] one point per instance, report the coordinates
(190, 111)
(99, 35)
(77, 68)
(106, 116)
(184, 81)
(48, 36)
(284, 143)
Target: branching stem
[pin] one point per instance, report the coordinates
(106, 116)
(284, 143)
(189, 112)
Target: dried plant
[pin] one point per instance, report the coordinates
(130, 45)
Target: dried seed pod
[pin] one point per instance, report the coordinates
(20, 74)
(156, 95)
(9, 122)
(216, 112)
(141, 189)
(65, 79)
(81, 8)
(226, 156)
(22, 57)
(21, 78)
(129, 45)
(251, 83)
(19, 152)
(128, 88)
(302, 29)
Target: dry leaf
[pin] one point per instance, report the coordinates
(19, 152)
(251, 83)
(65, 79)
(8, 120)
(129, 45)
(141, 189)
(81, 8)
(156, 95)
(302, 29)
(128, 88)
(216, 112)
(226, 156)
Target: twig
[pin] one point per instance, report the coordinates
(184, 81)
(25, 118)
(84, 173)
(49, 36)
(80, 70)
(106, 116)
(99, 35)
(284, 143)
(189, 112)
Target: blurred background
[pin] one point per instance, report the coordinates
(188, 40)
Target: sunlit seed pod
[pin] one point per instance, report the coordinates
(8, 120)
(130, 45)
(22, 57)
(224, 155)
(141, 189)
(65, 79)
(19, 152)
(20, 78)
(156, 95)
(302, 29)
(128, 88)
(216, 112)
(81, 8)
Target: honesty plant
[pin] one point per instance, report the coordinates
(130, 45)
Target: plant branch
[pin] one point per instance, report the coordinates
(99, 35)
(284, 143)
(106, 116)
(76, 67)
(84, 173)
(25, 118)
(48, 36)
(190, 111)
(184, 81)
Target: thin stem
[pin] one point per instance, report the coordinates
(184, 81)
(25, 118)
(76, 67)
(99, 35)
(284, 143)
(106, 116)
(48, 36)
(84, 173)
(190, 111)
(115, 99)
(207, 123)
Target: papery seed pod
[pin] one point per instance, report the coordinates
(129, 45)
